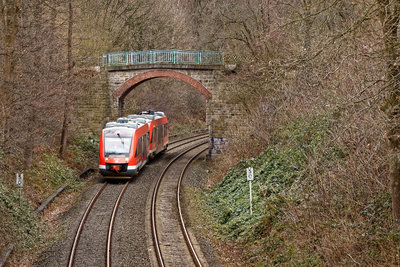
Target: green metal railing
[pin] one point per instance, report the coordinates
(163, 56)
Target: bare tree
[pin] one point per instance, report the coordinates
(67, 111)
(33, 73)
(389, 13)
(36, 119)
(9, 25)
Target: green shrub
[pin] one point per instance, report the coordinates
(18, 223)
(49, 173)
(88, 145)
(276, 170)
(83, 152)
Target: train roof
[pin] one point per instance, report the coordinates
(152, 112)
(135, 121)
(140, 120)
(144, 116)
(123, 124)
(132, 120)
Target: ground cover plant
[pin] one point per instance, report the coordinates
(286, 60)
(19, 225)
(297, 219)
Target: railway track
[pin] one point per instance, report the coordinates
(74, 248)
(171, 240)
(107, 201)
(187, 140)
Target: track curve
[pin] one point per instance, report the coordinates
(169, 238)
(107, 258)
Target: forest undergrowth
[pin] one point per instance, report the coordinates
(19, 225)
(317, 86)
(320, 195)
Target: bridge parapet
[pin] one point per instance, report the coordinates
(181, 57)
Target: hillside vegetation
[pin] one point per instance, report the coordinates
(304, 213)
(319, 88)
(20, 226)
(317, 82)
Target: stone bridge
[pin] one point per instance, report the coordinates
(203, 70)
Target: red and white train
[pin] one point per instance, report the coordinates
(127, 144)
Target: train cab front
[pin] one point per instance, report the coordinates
(117, 168)
(115, 153)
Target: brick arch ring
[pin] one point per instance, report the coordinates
(127, 86)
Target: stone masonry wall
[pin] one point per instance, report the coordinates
(206, 77)
(93, 108)
(220, 114)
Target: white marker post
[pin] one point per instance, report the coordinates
(250, 177)
(20, 183)
(20, 179)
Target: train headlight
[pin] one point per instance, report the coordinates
(127, 159)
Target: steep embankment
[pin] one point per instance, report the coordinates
(19, 224)
(300, 217)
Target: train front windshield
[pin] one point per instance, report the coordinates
(117, 142)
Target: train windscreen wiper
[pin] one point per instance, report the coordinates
(122, 141)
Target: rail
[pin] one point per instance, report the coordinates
(81, 224)
(162, 57)
(154, 230)
(185, 232)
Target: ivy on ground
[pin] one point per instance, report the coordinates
(276, 170)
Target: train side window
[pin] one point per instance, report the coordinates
(160, 134)
(143, 144)
(146, 143)
(137, 149)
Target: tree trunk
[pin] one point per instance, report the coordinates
(64, 130)
(395, 181)
(9, 25)
(389, 16)
(67, 111)
(28, 148)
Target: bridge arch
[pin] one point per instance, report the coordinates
(203, 70)
(131, 83)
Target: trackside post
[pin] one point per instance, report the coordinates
(250, 177)
(20, 183)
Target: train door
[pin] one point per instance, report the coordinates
(157, 143)
(165, 135)
(160, 137)
(139, 151)
(145, 146)
(154, 138)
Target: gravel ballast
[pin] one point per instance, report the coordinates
(131, 236)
